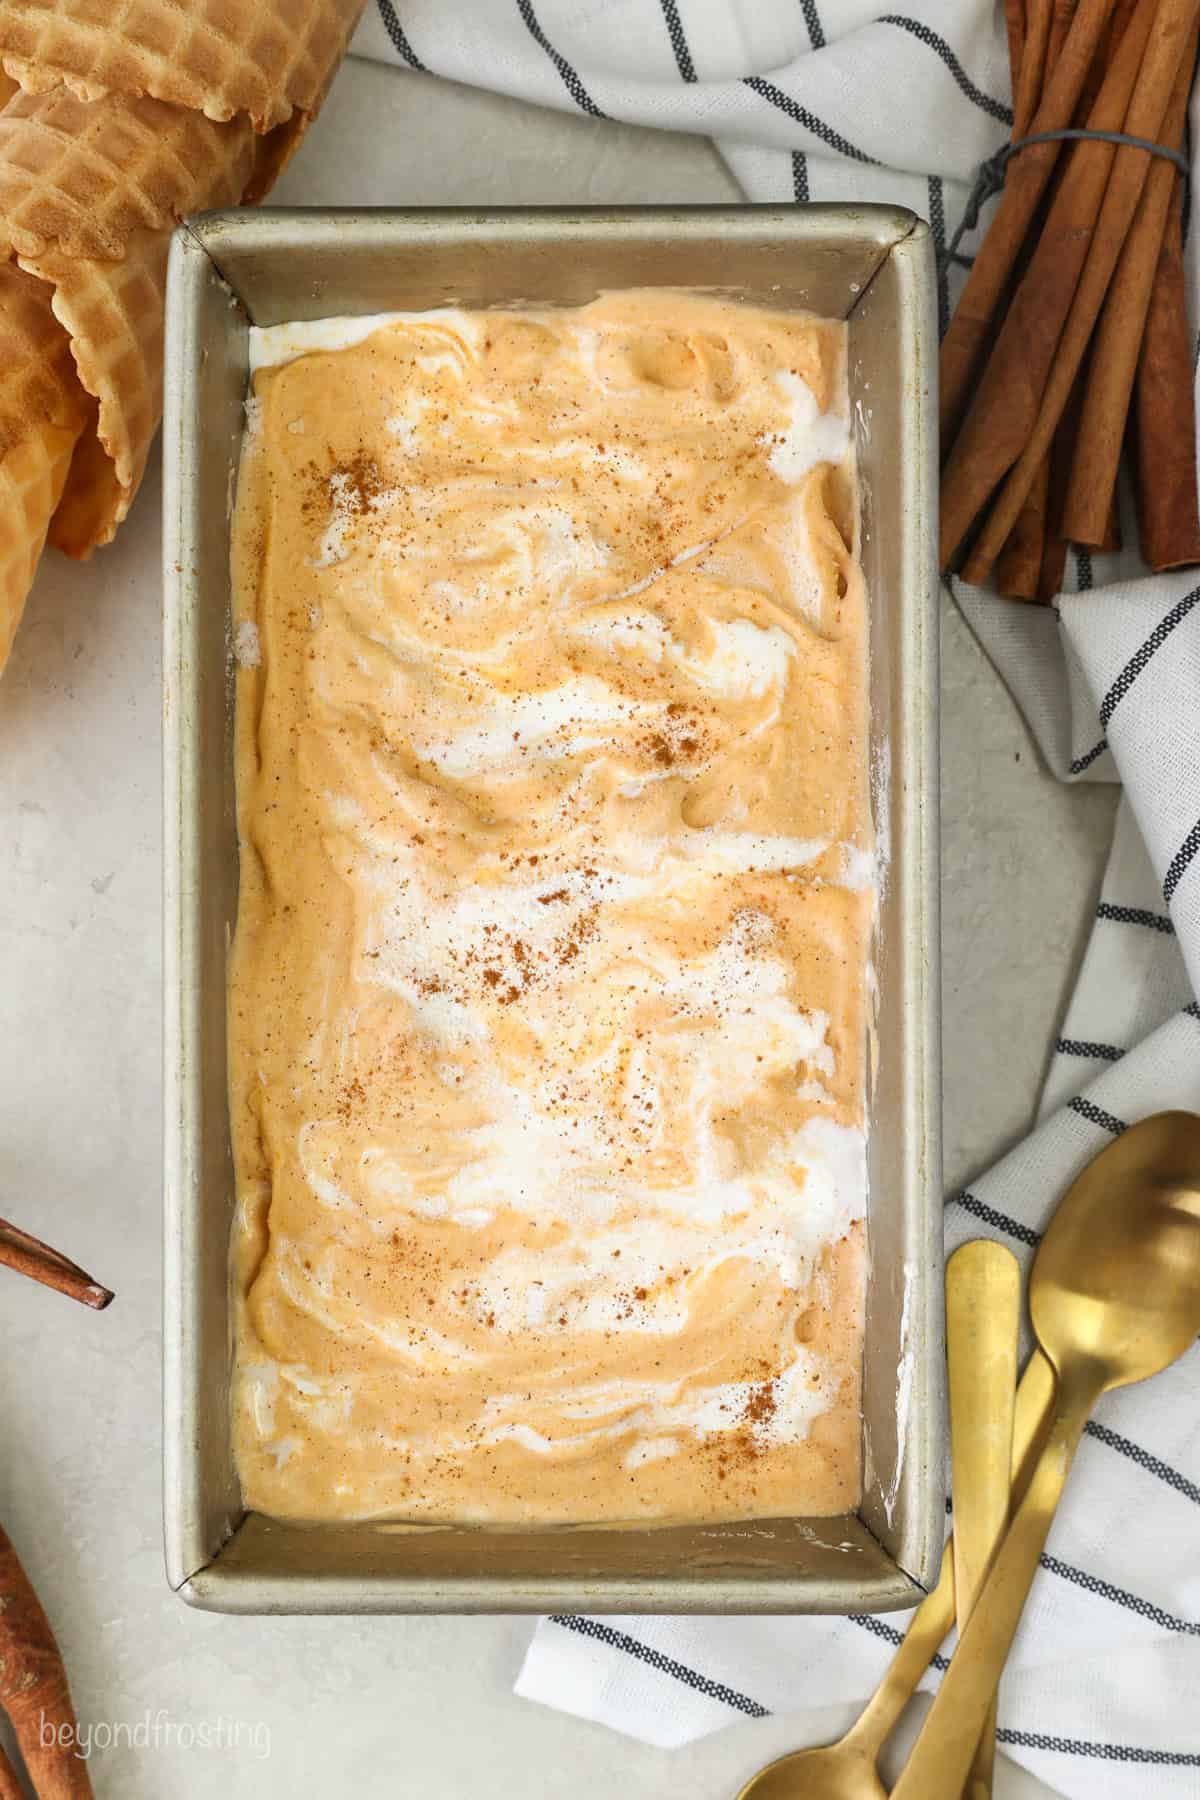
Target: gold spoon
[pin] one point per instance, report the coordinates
(1115, 1298)
(847, 1770)
(983, 1319)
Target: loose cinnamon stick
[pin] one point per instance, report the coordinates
(966, 341)
(1019, 564)
(1163, 425)
(29, 1256)
(33, 1688)
(1162, 68)
(1114, 360)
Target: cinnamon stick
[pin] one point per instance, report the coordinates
(1027, 93)
(1114, 361)
(1062, 13)
(33, 1688)
(1161, 70)
(1114, 31)
(29, 1256)
(1163, 425)
(1019, 564)
(1014, 20)
(1112, 530)
(10, 1787)
(1054, 553)
(1054, 567)
(1054, 549)
(1062, 455)
(969, 333)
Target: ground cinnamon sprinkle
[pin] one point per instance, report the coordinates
(362, 480)
(759, 1409)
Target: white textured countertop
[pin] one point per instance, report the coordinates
(373, 1707)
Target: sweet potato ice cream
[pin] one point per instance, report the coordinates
(547, 1017)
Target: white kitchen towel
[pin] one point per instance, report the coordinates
(826, 99)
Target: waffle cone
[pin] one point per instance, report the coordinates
(112, 313)
(32, 477)
(37, 377)
(81, 177)
(42, 414)
(125, 118)
(89, 190)
(219, 57)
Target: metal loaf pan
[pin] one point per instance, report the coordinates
(872, 265)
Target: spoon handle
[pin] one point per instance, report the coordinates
(926, 1630)
(983, 1310)
(935, 1615)
(943, 1753)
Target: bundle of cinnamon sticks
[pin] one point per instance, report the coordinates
(1070, 341)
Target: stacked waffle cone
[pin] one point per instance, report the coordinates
(117, 121)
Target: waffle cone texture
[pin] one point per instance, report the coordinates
(118, 118)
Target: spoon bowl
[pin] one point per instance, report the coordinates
(832, 1772)
(1116, 1282)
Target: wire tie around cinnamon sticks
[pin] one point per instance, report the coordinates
(992, 172)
